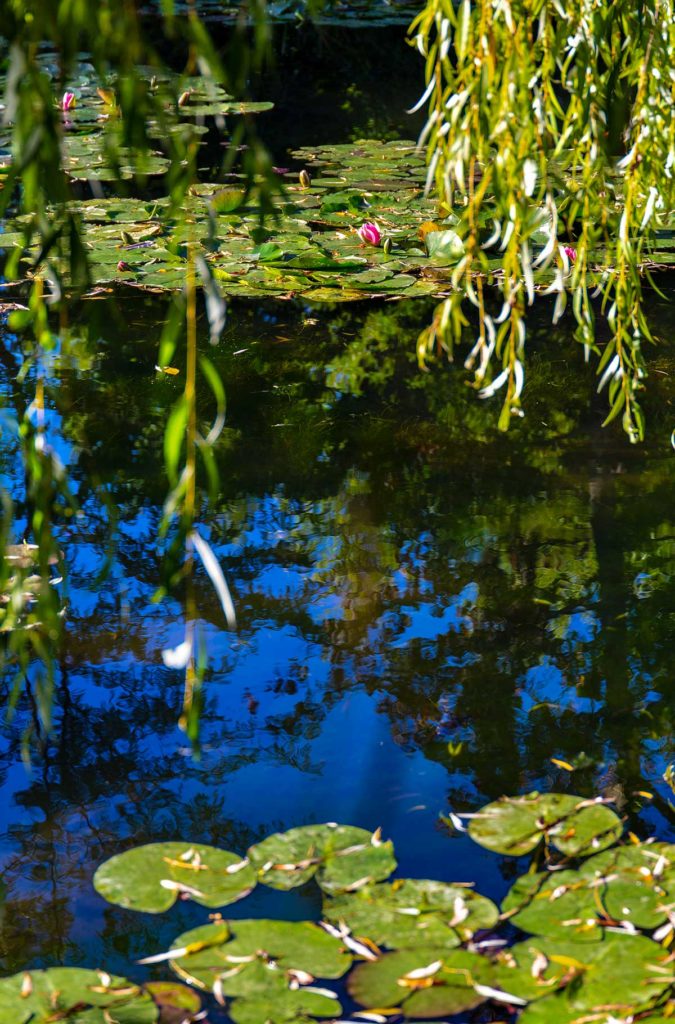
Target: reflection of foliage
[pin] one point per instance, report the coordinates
(384, 543)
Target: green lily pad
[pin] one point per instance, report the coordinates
(516, 825)
(173, 1000)
(621, 970)
(340, 856)
(651, 863)
(151, 878)
(633, 884)
(427, 982)
(559, 904)
(557, 1010)
(268, 252)
(266, 967)
(73, 994)
(413, 912)
(444, 245)
(285, 1007)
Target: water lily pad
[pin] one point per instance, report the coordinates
(427, 982)
(413, 912)
(80, 996)
(286, 1007)
(272, 964)
(559, 904)
(342, 857)
(622, 970)
(633, 884)
(151, 878)
(516, 825)
(557, 1010)
(444, 245)
(173, 1000)
(652, 864)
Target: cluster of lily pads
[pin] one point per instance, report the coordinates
(354, 13)
(314, 247)
(91, 119)
(319, 245)
(597, 912)
(311, 249)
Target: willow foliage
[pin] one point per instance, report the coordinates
(551, 138)
(43, 45)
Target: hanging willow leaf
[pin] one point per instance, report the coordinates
(215, 573)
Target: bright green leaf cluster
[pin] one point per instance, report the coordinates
(411, 947)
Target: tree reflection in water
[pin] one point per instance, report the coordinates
(427, 614)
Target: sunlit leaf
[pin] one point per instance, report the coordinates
(342, 858)
(151, 878)
(516, 825)
(73, 994)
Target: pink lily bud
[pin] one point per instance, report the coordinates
(570, 252)
(68, 101)
(370, 233)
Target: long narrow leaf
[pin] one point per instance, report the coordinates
(215, 573)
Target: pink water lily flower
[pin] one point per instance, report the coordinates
(570, 252)
(370, 233)
(68, 101)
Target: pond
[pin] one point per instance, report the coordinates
(430, 614)
(427, 614)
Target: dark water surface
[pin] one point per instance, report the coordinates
(428, 612)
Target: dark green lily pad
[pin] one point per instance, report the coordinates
(413, 912)
(73, 994)
(151, 878)
(516, 825)
(427, 982)
(342, 858)
(173, 1000)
